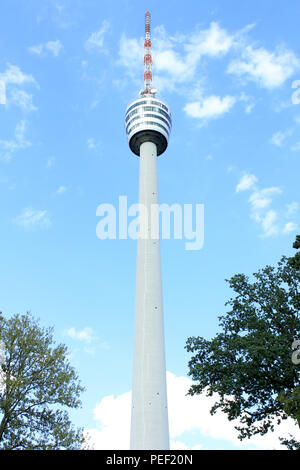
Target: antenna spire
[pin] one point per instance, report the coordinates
(147, 56)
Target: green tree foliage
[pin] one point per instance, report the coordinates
(37, 384)
(249, 363)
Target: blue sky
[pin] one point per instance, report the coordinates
(69, 69)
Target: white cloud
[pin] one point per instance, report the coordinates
(210, 108)
(8, 147)
(12, 79)
(213, 42)
(168, 61)
(295, 147)
(268, 69)
(50, 162)
(14, 75)
(261, 199)
(246, 182)
(131, 53)
(290, 227)
(174, 67)
(94, 146)
(291, 209)
(113, 415)
(61, 190)
(53, 47)
(31, 218)
(187, 414)
(269, 225)
(279, 137)
(38, 49)
(86, 334)
(91, 143)
(22, 99)
(249, 102)
(96, 39)
(271, 221)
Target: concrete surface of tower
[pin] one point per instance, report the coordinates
(148, 125)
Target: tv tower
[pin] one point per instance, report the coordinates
(148, 124)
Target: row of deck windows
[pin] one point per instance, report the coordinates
(148, 108)
(139, 116)
(150, 123)
(145, 102)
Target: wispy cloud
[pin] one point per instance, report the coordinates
(50, 162)
(290, 227)
(268, 69)
(14, 75)
(95, 42)
(22, 99)
(178, 57)
(31, 218)
(9, 147)
(279, 137)
(262, 198)
(271, 221)
(14, 80)
(248, 101)
(94, 146)
(260, 202)
(295, 147)
(290, 213)
(86, 334)
(62, 189)
(213, 41)
(292, 209)
(51, 47)
(268, 223)
(247, 181)
(88, 337)
(91, 143)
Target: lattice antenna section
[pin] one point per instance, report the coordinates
(147, 56)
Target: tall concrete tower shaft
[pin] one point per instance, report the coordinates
(148, 125)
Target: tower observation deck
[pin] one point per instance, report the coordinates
(148, 125)
(148, 119)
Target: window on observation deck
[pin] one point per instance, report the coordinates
(159, 104)
(157, 110)
(136, 104)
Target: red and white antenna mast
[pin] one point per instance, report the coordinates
(147, 58)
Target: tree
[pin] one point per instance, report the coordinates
(249, 363)
(36, 384)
